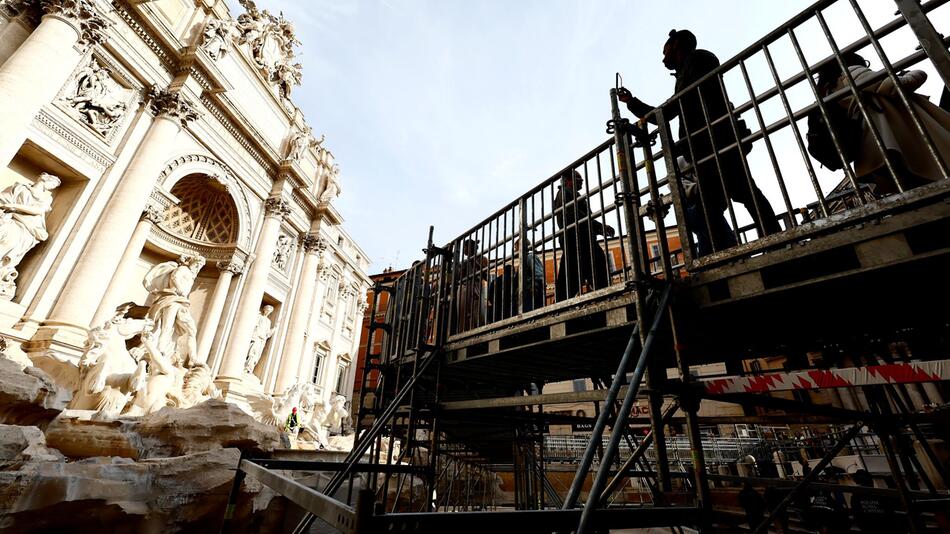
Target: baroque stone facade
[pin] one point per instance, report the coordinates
(127, 163)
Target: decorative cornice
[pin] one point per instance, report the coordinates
(76, 144)
(139, 27)
(244, 140)
(312, 243)
(91, 23)
(276, 207)
(174, 105)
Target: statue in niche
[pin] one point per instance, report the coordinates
(23, 210)
(217, 35)
(262, 332)
(169, 285)
(93, 98)
(283, 251)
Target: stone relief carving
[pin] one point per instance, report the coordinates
(175, 105)
(262, 332)
(217, 34)
(271, 41)
(23, 210)
(95, 99)
(153, 214)
(284, 252)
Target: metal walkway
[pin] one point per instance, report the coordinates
(599, 264)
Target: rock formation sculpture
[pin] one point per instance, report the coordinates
(23, 210)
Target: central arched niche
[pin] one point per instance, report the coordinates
(205, 211)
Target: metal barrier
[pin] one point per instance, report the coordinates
(582, 231)
(715, 141)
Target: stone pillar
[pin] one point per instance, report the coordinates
(293, 352)
(232, 367)
(216, 307)
(151, 215)
(37, 70)
(86, 286)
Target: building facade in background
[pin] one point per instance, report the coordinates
(152, 154)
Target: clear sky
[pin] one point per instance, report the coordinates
(439, 112)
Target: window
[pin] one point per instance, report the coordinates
(341, 377)
(319, 355)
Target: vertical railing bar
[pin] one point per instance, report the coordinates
(872, 127)
(699, 184)
(760, 221)
(900, 90)
(768, 146)
(722, 179)
(798, 134)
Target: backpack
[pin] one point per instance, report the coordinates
(822, 147)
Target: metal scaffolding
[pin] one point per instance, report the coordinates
(595, 274)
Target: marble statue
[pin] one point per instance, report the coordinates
(287, 76)
(271, 41)
(107, 371)
(300, 142)
(332, 189)
(262, 332)
(23, 210)
(217, 35)
(94, 98)
(168, 285)
(337, 415)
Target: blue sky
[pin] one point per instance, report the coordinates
(439, 112)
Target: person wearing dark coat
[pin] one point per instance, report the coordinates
(582, 260)
(690, 65)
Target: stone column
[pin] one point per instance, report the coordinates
(37, 70)
(303, 305)
(232, 368)
(216, 307)
(86, 286)
(151, 215)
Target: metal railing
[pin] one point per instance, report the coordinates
(582, 233)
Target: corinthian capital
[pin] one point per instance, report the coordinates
(312, 243)
(91, 23)
(174, 105)
(233, 266)
(153, 214)
(277, 207)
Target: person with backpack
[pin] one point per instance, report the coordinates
(912, 160)
(690, 65)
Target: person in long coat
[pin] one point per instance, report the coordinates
(728, 172)
(582, 260)
(912, 159)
